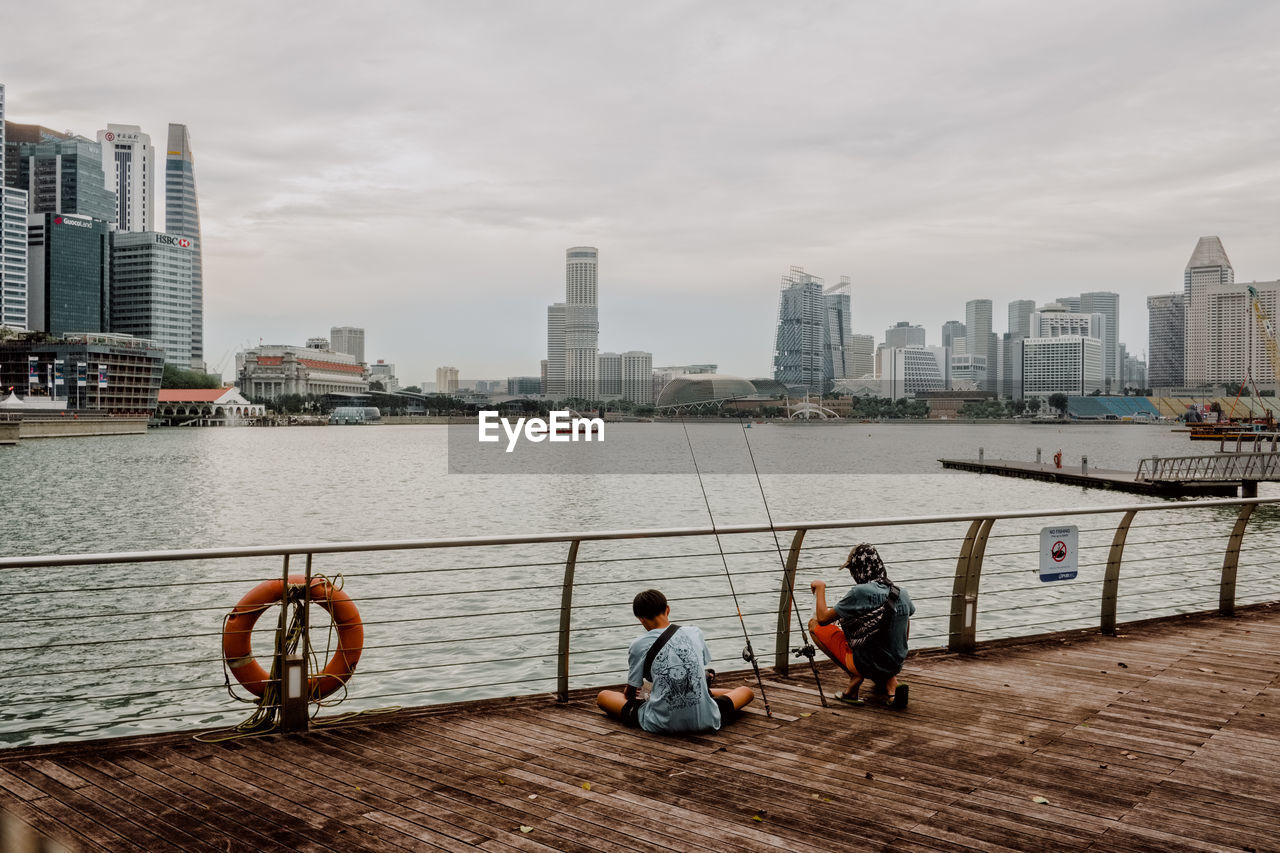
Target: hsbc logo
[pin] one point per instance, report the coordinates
(184, 243)
(170, 240)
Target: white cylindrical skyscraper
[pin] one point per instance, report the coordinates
(581, 323)
(128, 163)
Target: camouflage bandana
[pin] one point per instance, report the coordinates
(865, 565)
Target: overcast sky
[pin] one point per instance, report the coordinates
(418, 169)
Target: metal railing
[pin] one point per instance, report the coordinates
(104, 644)
(1224, 467)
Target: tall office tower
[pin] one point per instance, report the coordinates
(952, 330)
(1071, 303)
(16, 134)
(610, 374)
(1066, 364)
(581, 323)
(69, 273)
(128, 161)
(182, 219)
(1054, 320)
(910, 370)
(862, 356)
(979, 339)
(1020, 317)
(64, 176)
(840, 329)
(151, 291)
(13, 244)
(348, 339)
(555, 384)
(637, 376)
(1208, 269)
(446, 380)
(802, 352)
(903, 334)
(1107, 304)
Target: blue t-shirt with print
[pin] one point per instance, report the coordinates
(679, 700)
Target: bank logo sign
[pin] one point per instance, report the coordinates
(170, 240)
(67, 220)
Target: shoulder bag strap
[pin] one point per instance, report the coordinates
(657, 647)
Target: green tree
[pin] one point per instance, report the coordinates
(1033, 405)
(176, 377)
(1058, 401)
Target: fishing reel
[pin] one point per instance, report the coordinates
(748, 654)
(805, 651)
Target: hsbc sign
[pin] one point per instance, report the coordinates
(170, 240)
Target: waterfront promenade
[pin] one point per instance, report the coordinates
(1163, 737)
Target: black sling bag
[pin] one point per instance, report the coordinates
(657, 647)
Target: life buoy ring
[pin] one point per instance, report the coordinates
(1057, 459)
(237, 635)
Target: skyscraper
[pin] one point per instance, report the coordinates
(903, 334)
(63, 176)
(979, 339)
(128, 163)
(637, 376)
(1020, 317)
(951, 331)
(446, 380)
(69, 263)
(555, 385)
(151, 291)
(840, 329)
(182, 219)
(1209, 268)
(610, 375)
(348, 339)
(13, 244)
(581, 323)
(1107, 304)
(862, 356)
(802, 351)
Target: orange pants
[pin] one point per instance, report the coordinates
(830, 639)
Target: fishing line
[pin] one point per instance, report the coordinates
(748, 653)
(806, 649)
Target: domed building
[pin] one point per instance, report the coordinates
(705, 391)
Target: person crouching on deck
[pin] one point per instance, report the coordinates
(866, 632)
(680, 700)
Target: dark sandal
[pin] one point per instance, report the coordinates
(848, 700)
(899, 700)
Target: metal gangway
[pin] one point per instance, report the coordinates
(1218, 467)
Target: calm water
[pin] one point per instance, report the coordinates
(77, 666)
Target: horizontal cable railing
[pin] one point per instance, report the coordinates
(133, 642)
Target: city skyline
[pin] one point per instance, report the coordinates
(993, 173)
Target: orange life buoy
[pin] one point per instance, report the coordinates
(237, 635)
(1057, 459)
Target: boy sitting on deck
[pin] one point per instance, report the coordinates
(680, 700)
(870, 639)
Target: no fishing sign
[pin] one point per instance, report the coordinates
(1059, 548)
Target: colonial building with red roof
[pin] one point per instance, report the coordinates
(272, 371)
(206, 407)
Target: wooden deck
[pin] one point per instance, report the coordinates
(1166, 737)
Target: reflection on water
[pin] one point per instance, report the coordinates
(443, 625)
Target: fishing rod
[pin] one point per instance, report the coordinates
(806, 649)
(748, 653)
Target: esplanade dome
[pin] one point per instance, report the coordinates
(702, 389)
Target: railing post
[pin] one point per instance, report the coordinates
(1111, 581)
(782, 640)
(566, 620)
(962, 632)
(1231, 561)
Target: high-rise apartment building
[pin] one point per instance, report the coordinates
(1054, 320)
(979, 338)
(1237, 352)
(151, 291)
(446, 380)
(903, 334)
(1067, 364)
(610, 375)
(1107, 304)
(128, 163)
(802, 351)
(13, 243)
(554, 386)
(1208, 270)
(637, 376)
(581, 323)
(1166, 331)
(182, 219)
(348, 339)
